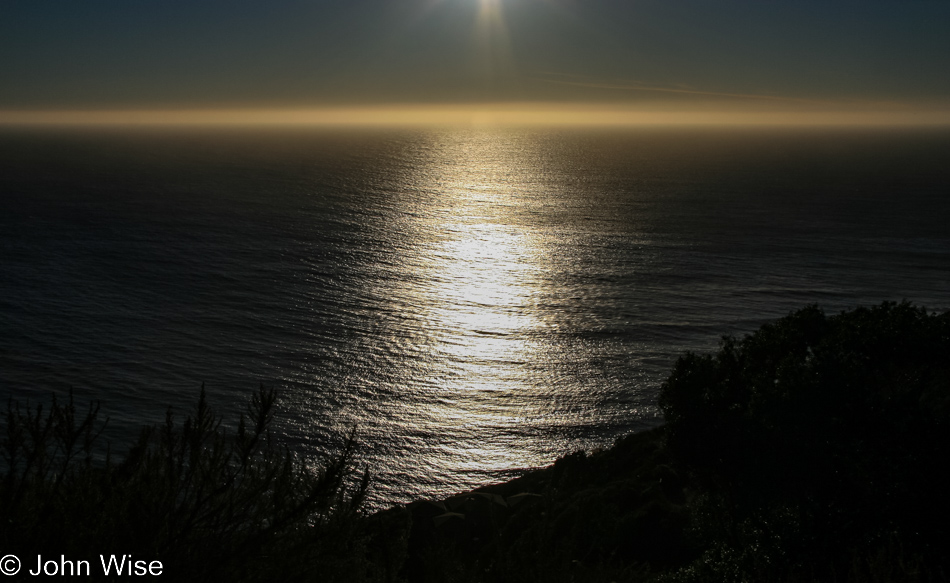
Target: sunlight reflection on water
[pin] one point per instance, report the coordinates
(478, 276)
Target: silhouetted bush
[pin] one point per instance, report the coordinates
(817, 444)
(212, 505)
(612, 515)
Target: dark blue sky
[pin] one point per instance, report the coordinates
(173, 53)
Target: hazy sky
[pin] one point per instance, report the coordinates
(302, 53)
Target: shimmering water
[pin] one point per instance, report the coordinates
(473, 302)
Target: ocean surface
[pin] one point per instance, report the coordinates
(470, 302)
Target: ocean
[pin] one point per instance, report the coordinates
(471, 303)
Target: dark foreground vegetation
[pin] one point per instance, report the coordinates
(208, 504)
(815, 449)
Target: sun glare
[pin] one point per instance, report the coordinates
(493, 58)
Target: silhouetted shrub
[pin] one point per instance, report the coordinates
(818, 439)
(212, 505)
(613, 515)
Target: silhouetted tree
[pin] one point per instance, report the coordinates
(818, 439)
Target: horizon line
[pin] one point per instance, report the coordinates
(572, 114)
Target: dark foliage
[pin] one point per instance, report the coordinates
(211, 505)
(613, 515)
(819, 443)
